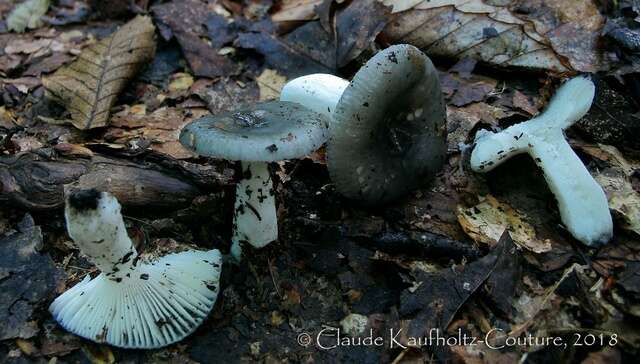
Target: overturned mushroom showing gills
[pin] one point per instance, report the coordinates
(388, 126)
(133, 302)
(256, 135)
(581, 201)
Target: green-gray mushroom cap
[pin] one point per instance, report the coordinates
(263, 132)
(388, 133)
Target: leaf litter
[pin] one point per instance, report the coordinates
(438, 259)
(89, 86)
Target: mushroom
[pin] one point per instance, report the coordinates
(134, 302)
(581, 201)
(388, 127)
(319, 92)
(256, 135)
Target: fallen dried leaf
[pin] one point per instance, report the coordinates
(270, 83)
(616, 181)
(90, 85)
(296, 10)
(487, 221)
(23, 84)
(73, 150)
(529, 308)
(466, 89)
(186, 20)
(180, 82)
(543, 35)
(310, 48)
(48, 64)
(27, 15)
(27, 280)
(161, 128)
(98, 354)
(31, 46)
(522, 102)
(441, 294)
(25, 143)
(401, 5)
(7, 118)
(624, 201)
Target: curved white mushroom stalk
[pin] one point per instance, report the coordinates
(254, 220)
(320, 92)
(133, 302)
(582, 203)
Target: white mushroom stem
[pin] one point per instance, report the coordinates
(319, 92)
(101, 235)
(134, 302)
(254, 221)
(581, 201)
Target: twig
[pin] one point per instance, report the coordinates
(400, 356)
(273, 279)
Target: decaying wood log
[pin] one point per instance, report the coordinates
(38, 180)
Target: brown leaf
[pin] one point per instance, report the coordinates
(539, 35)
(462, 120)
(487, 221)
(180, 82)
(624, 201)
(90, 85)
(187, 19)
(462, 89)
(225, 94)
(522, 102)
(48, 64)
(28, 279)
(23, 84)
(292, 10)
(270, 83)
(617, 183)
(161, 128)
(310, 48)
(73, 150)
(439, 295)
(357, 26)
(98, 354)
(607, 355)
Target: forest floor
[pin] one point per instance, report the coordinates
(468, 254)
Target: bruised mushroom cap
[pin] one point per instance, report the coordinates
(388, 134)
(264, 132)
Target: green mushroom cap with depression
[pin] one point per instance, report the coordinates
(256, 135)
(388, 125)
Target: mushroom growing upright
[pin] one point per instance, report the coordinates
(256, 135)
(388, 127)
(134, 302)
(582, 203)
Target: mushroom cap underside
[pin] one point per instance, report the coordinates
(267, 132)
(388, 134)
(156, 304)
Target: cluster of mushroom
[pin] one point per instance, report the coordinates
(387, 125)
(386, 135)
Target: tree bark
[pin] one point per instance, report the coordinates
(38, 180)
